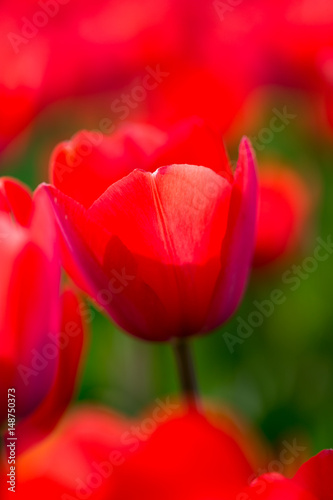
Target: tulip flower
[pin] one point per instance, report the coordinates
(33, 54)
(23, 73)
(160, 236)
(309, 25)
(41, 332)
(158, 38)
(166, 453)
(313, 481)
(285, 204)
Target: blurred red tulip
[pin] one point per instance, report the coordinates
(168, 453)
(166, 252)
(108, 45)
(285, 204)
(310, 27)
(187, 458)
(99, 46)
(35, 345)
(291, 59)
(298, 59)
(313, 481)
(20, 87)
(227, 64)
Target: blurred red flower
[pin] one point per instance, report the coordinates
(96, 47)
(313, 481)
(168, 454)
(108, 45)
(41, 332)
(285, 205)
(166, 252)
(20, 88)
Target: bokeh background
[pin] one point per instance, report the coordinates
(236, 64)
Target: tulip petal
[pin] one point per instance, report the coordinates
(192, 142)
(15, 199)
(68, 344)
(43, 232)
(13, 240)
(29, 294)
(83, 440)
(185, 458)
(101, 263)
(173, 222)
(105, 159)
(316, 475)
(274, 486)
(30, 317)
(108, 158)
(238, 246)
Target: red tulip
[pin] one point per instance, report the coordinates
(166, 454)
(22, 77)
(285, 204)
(201, 85)
(35, 345)
(313, 481)
(42, 39)
(186, 458)
(101, 48)
(166, 252)
(309, 25)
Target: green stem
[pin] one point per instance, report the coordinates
(186, 371)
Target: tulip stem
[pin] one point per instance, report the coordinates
(186, 371)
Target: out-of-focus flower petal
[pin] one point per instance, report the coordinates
(66, 347)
